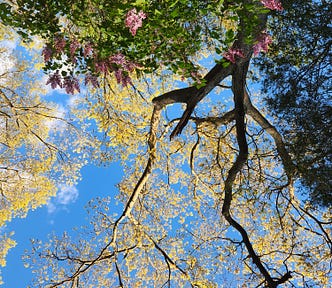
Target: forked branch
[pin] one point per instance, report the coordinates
(147, 172)
(238, 86)
(105, 253)
(192, 95)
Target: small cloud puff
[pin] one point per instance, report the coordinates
(65, 196)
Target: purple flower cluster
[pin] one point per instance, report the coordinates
(87, 50)
(69, 83)
(116, 63)
(91, 79)
(47, 53)
(122, 77)
(55, 80)
(264, 40)
(231, 53)
(272, 4)
(134, 20)
(73, 46)
(119, 65)
(59, 44)
(102, 67)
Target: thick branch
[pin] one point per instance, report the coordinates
(217, 121)
(192, 95)
(238, 86)
(269, 128)
(238, 82)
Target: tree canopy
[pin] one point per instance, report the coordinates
(232, 192)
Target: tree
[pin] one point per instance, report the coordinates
(217, 204)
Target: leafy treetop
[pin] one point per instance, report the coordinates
(100, 37)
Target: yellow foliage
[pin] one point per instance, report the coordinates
(6, 243)
(30, 144)
(229, 22)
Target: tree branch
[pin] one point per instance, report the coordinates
(148, 168)
(238, 87)
(192, 95)
(269, 128)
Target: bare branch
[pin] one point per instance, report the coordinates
(141, 182)
(119, 275)
(269, 128)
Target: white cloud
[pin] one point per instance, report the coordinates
(74, 100)
(51, 208)
(66, 195)
(8, 62)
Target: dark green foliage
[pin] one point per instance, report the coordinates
(298, 84)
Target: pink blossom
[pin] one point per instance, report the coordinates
(134, 21)
(87, 50)
(118, 59)
(54, 80)
(102, 67)
(272, 4)
(130, 66)
(74, 45)
(47, 53)
(196, 77)
(122, 78)
(71, 84)
(231, 53)
(91, 79)
(59, 44)
(118, 64)
(264, 40)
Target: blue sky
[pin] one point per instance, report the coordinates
(96, 181)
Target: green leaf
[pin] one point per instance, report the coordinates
(140, 3)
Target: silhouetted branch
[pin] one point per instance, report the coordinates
(238, 86)
(192, 95)
(269, 128)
